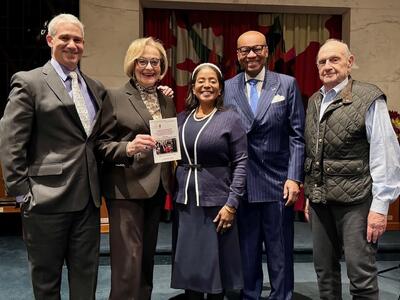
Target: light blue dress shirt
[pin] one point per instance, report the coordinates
(63, 73)
(384, 159)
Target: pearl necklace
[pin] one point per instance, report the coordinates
(203, 117)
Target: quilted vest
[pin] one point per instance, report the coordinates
(337, 149)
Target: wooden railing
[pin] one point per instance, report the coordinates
(7, 205)
(394, 216)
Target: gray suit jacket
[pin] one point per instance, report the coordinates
(44, 149)
(123, 116)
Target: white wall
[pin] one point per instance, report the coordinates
(370, 27)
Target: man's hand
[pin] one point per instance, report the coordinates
(166, 90)
(291, 191)
(376, 226)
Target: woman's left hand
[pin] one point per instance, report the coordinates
(166, 90)
(224, 219)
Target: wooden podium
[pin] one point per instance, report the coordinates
(394, 216)
(7, 205)
(103, 217)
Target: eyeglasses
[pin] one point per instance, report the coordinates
(143, 62)
(256, 49)
(332, 60)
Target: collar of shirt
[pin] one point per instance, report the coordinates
(260, 76)
(62, 71)
(328, 96)
(334, 90)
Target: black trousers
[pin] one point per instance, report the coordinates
(133, 239)
(51, 239)
(339, 229)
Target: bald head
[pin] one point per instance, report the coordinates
(255, 37)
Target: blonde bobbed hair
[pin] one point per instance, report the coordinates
(136, 49)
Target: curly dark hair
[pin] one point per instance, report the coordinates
(191, 100)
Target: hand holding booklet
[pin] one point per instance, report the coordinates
(166, 134)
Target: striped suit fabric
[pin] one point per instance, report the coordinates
(275, 135)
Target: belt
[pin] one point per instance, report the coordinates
(199, 167)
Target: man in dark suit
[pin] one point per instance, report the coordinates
(272, 112)
(47, 132)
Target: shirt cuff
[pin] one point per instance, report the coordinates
(380, 206)
(126, 150)
(232, 203)
(20, 198)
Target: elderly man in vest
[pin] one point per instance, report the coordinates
(352, 174)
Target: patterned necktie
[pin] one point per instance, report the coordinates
(253, 94)
(80, 103)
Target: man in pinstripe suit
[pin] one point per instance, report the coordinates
(272, 112)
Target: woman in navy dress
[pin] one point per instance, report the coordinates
(210, 183)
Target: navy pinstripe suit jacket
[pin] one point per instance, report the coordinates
(275, 134)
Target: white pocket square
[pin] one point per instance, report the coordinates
(278, 98)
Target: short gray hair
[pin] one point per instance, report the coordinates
(63, 18)
(345, 46)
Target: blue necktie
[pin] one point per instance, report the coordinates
(253, 94)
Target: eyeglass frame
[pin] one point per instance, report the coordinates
(154, 62)
(249, 49)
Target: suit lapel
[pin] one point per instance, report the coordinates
(54, 82)
(137, 103)
(92, 89)
(241, 100)
(268, 91)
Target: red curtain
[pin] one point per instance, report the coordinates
(229, 25)
(192, 37)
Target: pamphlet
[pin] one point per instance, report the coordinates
(166, 134)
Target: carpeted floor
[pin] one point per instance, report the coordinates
(15, 281)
